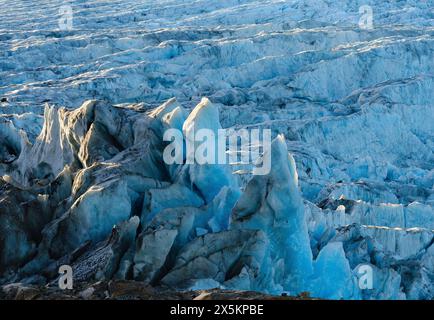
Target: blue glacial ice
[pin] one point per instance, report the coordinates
(351, 187)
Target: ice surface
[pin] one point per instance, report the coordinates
(83, 112)
(273, 204)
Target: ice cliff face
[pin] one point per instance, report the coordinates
(93, 191)
(352, 175)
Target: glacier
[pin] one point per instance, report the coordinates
(83, 112)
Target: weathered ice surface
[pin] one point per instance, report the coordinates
(83, 112)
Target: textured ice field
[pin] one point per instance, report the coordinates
(356, 106)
